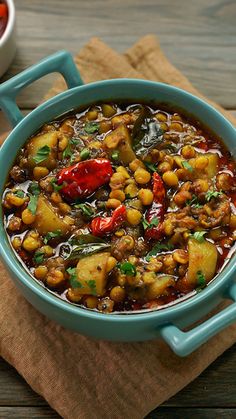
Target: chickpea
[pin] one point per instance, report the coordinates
(113, 203)
(201, 162)
(56, 197)
(106, 305)
(117, 294)
(73, 295)
(105, 126)
(16, 243)
(127, 242)
(180, 256)
(170, 178)
(91, 115)
(27, 216)
(91, 302)
(131, 190)
(201, 185)
(135, 164)
(111, 263)
(93, 144)
(145, 196)
(40, 272)
(117, 194)
(176, 117)
(120, 233)
(176, 126)
(224, 181)
(182, 174)
(121, 279)
(14, 200)
(170, 160)
(163, 126)
(188, 152)
(215, 233)
(133, 216)
(14, 224)
(181, 197)
(164, 167)
(32, 242)
(232, 222)
(142, 176)
(55, 278)
(123, 171)
(40, 172)
(149, 278)
(117, 181)
(161, 117)
(47, 250)
(154, 265)
(168, 227)
(69, 220)
(63, 142)
(133, 259)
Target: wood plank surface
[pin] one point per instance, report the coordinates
(199, 37)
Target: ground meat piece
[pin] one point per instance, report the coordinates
(18, 174)
(215, 213)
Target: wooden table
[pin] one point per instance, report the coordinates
(199, 37)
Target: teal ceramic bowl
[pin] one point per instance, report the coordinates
(169, 322)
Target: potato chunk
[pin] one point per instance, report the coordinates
(92, 274)
(120, 140)
(50, 139)
(202, 257)
(159, 287)
(47, 218)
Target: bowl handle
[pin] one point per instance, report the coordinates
(184, 343)
(60, 62)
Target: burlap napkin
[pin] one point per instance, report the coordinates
(80, 377)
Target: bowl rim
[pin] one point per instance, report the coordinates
(10, 22)
(22, 276)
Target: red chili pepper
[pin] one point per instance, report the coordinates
(3, 17)
(103, 225)
(157, 209)
(83, 178)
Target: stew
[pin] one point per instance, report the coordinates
(122, 207)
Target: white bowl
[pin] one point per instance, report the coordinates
(8, 39)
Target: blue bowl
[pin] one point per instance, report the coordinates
(168, 322)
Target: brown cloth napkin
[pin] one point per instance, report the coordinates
(79, 377)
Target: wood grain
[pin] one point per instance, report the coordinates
(198, 37)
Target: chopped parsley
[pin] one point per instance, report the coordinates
(86, 209)
(55, 186)
(212, 194)
(34, 188)
(92, 285)
(115, 155)
(51, 235)
(19, 193)
(153, 223)
(150, 166)
(201, 281)
(199, 235)
(91, 127)
(73, 278)
(127, 268)
(42, 154)
(186, 165)
(157, 248)
(38, 257)
(194, 202)
(84, 154)
(32, 205)
(67, 152)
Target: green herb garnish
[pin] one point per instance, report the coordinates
(86, 209)
(51, 235)
(199, 235)
(42, 154)
(212, 194)
(91, 127)
(34, 188)
(157, 248)
(55, 186)
(194, 202)
(153, 223)
(73, 278)
(67, 152)
(38, 257)
(32, 205)
(150, 166)
(84, 154)
(92, 285)
(115, 155)
(127, 268)
(19, 193)
(187, 166)
(201, 281)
